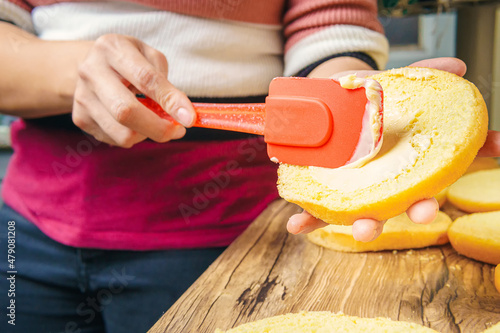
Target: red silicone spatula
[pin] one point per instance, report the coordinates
(305, 121)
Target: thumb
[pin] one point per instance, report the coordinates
(170, 99)
(452, 65)
(176, 104)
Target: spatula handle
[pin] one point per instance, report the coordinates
(246, 118)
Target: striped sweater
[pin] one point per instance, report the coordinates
(206, 40)
(203, 190)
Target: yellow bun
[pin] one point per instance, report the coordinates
(477, 236)
(325, 322)
(434, 124)
(399, 233)
(497, 277)
(477, 192)
(479, 163)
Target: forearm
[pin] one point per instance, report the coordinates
(340, 64)
(38, 77)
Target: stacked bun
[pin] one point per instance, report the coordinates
(399, 233)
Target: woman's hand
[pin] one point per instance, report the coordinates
(423, 211)
(365, 230)
(115, 69)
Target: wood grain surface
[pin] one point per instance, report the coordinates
(268, 272)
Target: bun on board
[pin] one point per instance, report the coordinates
(477, 236)
(399, 233)
(326, 322)
(476, 192)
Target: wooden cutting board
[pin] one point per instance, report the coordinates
(267, 272)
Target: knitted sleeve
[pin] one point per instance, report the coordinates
(17, 12)
(314, 30)
(318, 30)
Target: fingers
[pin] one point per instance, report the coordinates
(303, 223)
(108, 129)
(424, 211)
(124, 107)
(452, 65)
(491, 147)
(366, 230)
(105, 105)
(138, 69)
(87, 124)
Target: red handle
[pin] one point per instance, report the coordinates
(246, 118)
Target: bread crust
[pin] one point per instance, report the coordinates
(477, 192)
(477, 236)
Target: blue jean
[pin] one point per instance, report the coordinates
(51, 287)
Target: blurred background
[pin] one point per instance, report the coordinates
(467, 29)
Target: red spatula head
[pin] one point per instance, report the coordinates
(305, 121)
(316, 122)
